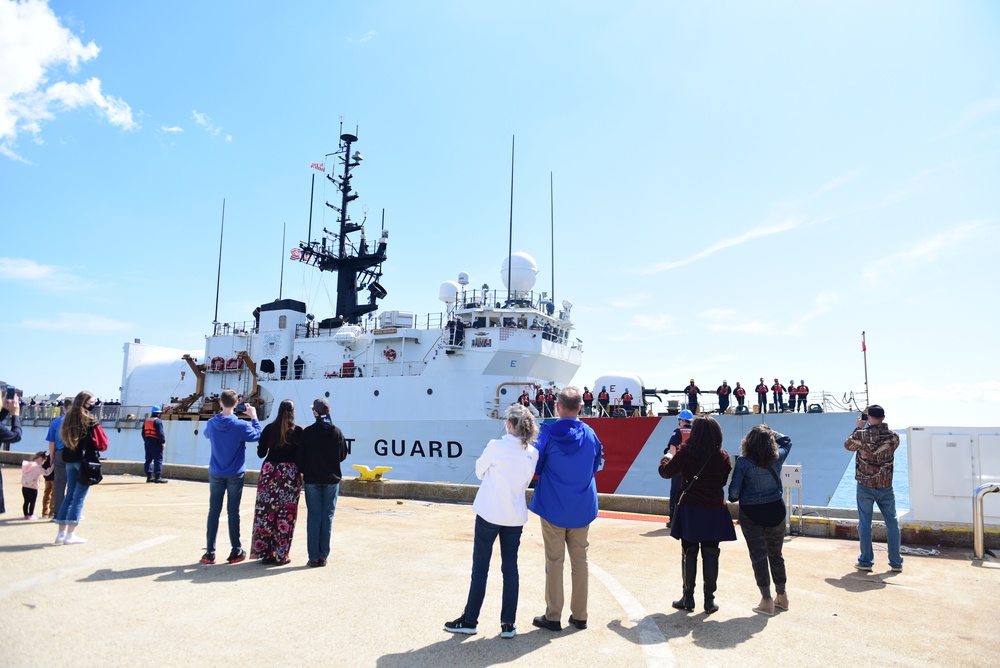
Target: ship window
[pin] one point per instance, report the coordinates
(503, 390)
(430, 391)
(376, 393)
(282, 321)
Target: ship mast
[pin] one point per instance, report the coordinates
(357, 267)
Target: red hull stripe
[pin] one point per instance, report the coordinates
(622, 439)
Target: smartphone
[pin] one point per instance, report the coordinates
(11, 392)
(864, 416)
(241, 408)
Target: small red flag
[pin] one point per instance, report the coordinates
(864, 348)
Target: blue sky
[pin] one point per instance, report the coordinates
(740, 188)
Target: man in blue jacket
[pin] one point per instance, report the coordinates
(565, 498)
(228, 435)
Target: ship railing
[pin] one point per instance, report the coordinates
(235, 328)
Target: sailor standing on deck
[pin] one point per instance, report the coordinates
(761, 390)
(627, 402)
(803, 394)
(875, 445)
(740, 393)
(602, 400)
(588, 401)
(692, 393)
(778, 389)
(723, 391)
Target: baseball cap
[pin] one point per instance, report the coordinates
(321, 406)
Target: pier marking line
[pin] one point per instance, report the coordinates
(654, 645)
(100, 560)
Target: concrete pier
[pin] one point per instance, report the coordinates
(134, 594)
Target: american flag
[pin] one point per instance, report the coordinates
(296, 253)
(321, 166)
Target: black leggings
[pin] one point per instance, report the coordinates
(30, 496)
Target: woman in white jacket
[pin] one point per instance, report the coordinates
(506, 467)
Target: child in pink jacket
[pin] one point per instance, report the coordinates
(31, 471)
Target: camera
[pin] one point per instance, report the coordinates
(12, 392)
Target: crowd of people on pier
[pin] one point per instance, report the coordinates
(562, 456)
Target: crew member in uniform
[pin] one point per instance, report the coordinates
(676, 442)
(803, 394)
(154, 442)
(692, 393)
(284, 367)
(540, 402)
(740, 393)
(550, 403)
(723, 391)
(524, 399)
(792, 392)
(778, 390)
(603, 399)
(299, 365)
(762, 395)
(627, 402)
(588, 401)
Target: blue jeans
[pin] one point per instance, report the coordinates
(886, 500)
(321, 502)
(72, 505)
(510, 541)
(231, 486)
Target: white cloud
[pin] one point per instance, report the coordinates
(33, 48)
(42, 275)
(972, 115)
(916, 258)
(204, 121)
(171, 128)
(369, 36)
(785, 225)
(84, 323)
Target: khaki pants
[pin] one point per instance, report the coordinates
(557, 542)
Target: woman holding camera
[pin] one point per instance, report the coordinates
(702, 517)
(278, 489)
(757, 486)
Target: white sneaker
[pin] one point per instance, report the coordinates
(60, 538)
(73, 539)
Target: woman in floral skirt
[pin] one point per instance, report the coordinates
(278, 489)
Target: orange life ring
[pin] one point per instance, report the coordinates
(232, 363)
(390, 355)
(218, 364)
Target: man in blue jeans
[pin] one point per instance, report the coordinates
(321, 450)
(875, 445)
(228, 435)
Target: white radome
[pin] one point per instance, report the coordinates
(448, 292)
(523, 271)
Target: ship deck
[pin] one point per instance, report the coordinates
(400, 568)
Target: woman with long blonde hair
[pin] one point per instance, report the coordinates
(83, 437)
(278, 489)
(506, 467)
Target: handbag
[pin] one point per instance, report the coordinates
(90, 467)
(90, 473)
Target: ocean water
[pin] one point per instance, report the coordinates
(846, 497)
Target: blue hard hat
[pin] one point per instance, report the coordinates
(686, 415)
(155, 409)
